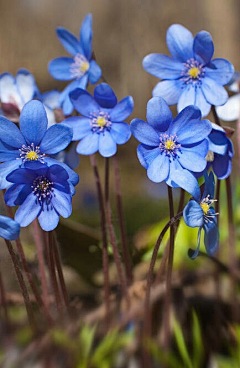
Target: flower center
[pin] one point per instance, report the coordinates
(192, 71)
(31, 153)
(79, 67)
(169, 145)
(100, 121)
(42, 188)
(205, 205)
(205, 208)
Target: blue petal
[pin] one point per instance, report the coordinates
(147, 154)
(193, 214)
(211, 235)
(73, 177)
(56, 138)
(69, 41)
(158, 169)
(187, 97)
(88, 144)
(201, 103)
(62, 203)
(94, 72)
(209, 186)
(105, 96)
(107, 146)
(83, 102)
(80, 126)
(22, 176)
(57, 174)
(188, 127)
(10, 134)
(51, 99)
(220, 70)
(48, 218)
(16, 194)
(28, 211)
(203, 47)
(86, 36)
(8, 155)
(120, 132)
(5, 169)
(9, 229)
(214, 93)
(231, 110)
(60, 68)
(144, 133)
(193, 158)
(159, 116)
(217, 140)
(162, 66)
(185, 180)
(26, 85)
(64, 94)
(70, 157)
(170, 90)
(222, 166)
(180, 42)
(122, 110)
(193, 255)
(33, 122)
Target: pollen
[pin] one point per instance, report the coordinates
(84, 66)
(194, 72)
(101, 121)
(170, 145)
(31, 156)
(205, 207)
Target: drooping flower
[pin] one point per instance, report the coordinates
(32, 142)
(81, 67)
(9, 229)
(200, 213)
(169, 148)
(231, 110)
(40, 191)
(190, 76)
(16, 92)
(102, 126)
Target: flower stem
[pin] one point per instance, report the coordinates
(125, 250)
(105, 261)
(215, 116)
(112, 236)
(22, 285)
(3, 302)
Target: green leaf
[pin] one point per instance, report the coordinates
(181, 344)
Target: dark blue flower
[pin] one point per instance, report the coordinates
(199, 213)
(102, 126)
(169, 148)
(81, 67)
(32, 142)
(190, 76)
(40, 191)
(9, 229)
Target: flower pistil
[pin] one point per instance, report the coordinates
(100, 121)
(79, 67)
(192, 72)
(169, 145)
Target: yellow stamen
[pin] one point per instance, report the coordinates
(101, 121)
(32, 156)
(169, 145)
(84, 66)
(205, 208)
(194, 72)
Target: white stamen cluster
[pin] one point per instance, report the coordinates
(31, 153)
(192, 72)
(100, 121)
(79, 67)
(169, 145)
(205, 205)
(42, 188)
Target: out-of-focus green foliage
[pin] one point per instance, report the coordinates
(233, 361)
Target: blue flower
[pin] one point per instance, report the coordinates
(81, 67)
(102, 126)
(9, 229)
(40, 191)
(190, 76)
(16, 92)
(220, 152)
(169, 148)
(199, 213)
(231, 110)
(32, 142)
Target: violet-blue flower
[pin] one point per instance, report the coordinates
(169, 148)
(9, 229)
(190, 76)
(200, 213)
(40, 191)
(81, 67)
(32, 142)
(102, 126)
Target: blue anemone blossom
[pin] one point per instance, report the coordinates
(16, 92)
(81, 67)
(190, 76)
(9, 229)
(169, 148)
(199, 213)
(32, 142)
(102, 126)
(40, 191)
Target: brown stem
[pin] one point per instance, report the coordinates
(125, 250)
(215, 116)
(231, 229)
(52, 271)
(3, 299)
